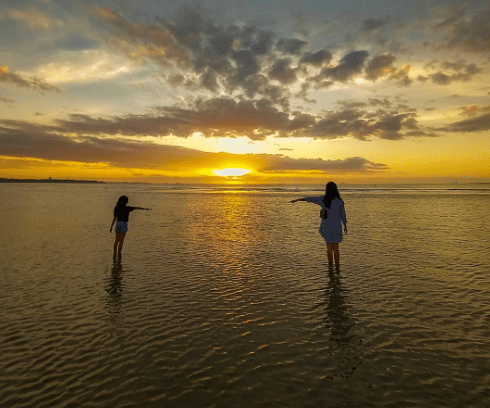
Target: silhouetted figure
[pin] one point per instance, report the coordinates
(333, 215)
(121, 215)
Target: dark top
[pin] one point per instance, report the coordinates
(122, 212)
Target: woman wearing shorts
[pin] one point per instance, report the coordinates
(121, 216)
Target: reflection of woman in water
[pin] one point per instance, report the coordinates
(114, 285)
(333, 215)
(121, 215)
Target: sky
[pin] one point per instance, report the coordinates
(296, 91)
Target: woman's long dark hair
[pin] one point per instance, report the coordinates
(331, 192)
(121, 202)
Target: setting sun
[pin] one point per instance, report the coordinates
(231, 172)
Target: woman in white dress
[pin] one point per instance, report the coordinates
(333, 216)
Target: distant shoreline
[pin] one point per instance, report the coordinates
(8, 180)
(453, 185)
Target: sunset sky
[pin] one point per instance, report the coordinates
(294, 91)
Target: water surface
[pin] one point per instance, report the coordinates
(223, 298)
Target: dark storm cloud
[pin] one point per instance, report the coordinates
(465, 73)
(448, 72)
(349, 66)
(383, 102)
(384, 33)
(455, 66)
(472, 69)
(380, 66)
(471, 34)
(291, 46)
(441, 78)
(263, 42)
(246, 64)
(364, 125)
(316, 58)
(401, 76)
(38, 84)
(282, 71)
(303, 93)
(209, 80)
(477, 124)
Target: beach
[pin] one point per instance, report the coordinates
(223, 298)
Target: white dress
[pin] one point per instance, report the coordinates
(331, 227)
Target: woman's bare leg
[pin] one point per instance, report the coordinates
(330, 253)
(336, 254)
(118, 243)
(121, 241)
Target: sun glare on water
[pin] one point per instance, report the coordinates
(231, 172)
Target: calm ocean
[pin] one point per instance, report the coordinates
(223, 298)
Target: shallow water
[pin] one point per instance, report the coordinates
(224, 299)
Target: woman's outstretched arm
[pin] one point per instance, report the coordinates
(298, 199)
(113, 221)
(141, 208)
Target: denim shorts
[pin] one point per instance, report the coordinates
(121, 226)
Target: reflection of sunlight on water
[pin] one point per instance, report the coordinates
(234, 213)
(227, 233)
(219, 225)
(225, 220)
